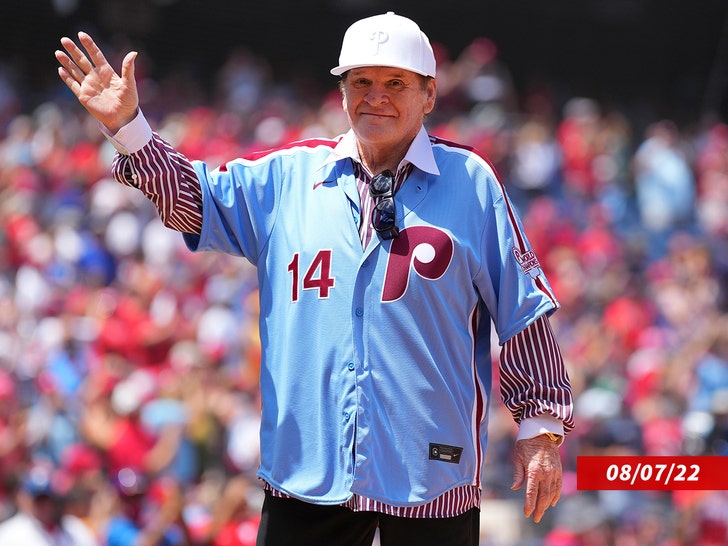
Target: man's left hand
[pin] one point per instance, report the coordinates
(538, 465)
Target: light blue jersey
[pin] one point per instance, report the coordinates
(376, 365)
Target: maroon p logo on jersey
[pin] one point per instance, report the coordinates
(425, 249)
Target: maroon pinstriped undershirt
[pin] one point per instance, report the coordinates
(532, 376)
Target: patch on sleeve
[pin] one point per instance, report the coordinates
(446, 453)
(528, 262)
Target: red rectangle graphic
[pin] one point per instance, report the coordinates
(652, 473)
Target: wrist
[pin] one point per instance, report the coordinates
(116, 125)
(555, 438)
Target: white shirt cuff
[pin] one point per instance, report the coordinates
(533, 426)
(132, 137)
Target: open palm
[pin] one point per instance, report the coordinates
(109, 97)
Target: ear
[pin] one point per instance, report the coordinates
(342, 82)
(431, 93)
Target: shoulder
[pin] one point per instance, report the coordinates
(308, 154)
(455, 156)
(306, 146)
(466, 151)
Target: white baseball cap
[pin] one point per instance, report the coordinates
(386, 40)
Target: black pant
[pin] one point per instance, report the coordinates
(290, 522)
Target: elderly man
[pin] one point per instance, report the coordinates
(383, 257)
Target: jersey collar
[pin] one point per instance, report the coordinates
(419, 153)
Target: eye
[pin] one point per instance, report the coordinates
(396, 84)
(360, 82)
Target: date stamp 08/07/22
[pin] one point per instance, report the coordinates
(652, 472)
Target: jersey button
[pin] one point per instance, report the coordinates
(347, 415)
(351, 366)
(359, 312)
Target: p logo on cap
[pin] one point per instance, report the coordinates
(378, 37)
(386, 40)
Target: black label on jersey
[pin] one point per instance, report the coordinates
(446, 453)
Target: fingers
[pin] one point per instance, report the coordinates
(69, 72)
(92, 49)
(538, 464)
(519, 476)
(542, 501)
(79, 57)
(556, 490)
(532, 494)
(74, 65)
(543, 490)
(77, 63)
(127, 67)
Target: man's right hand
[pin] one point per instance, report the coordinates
(111, 99)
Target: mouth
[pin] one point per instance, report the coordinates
(376, 115)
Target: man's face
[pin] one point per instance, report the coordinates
(386, 106)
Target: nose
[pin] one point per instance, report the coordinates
(376, 95)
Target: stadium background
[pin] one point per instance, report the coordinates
(631, 344)
(669, 55)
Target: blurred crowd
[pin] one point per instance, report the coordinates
(128, 365)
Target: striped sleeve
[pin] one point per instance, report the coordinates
(167, 179)
(533, 378)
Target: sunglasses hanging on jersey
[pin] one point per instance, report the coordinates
(384, 213)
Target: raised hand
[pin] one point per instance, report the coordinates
(111, 99)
